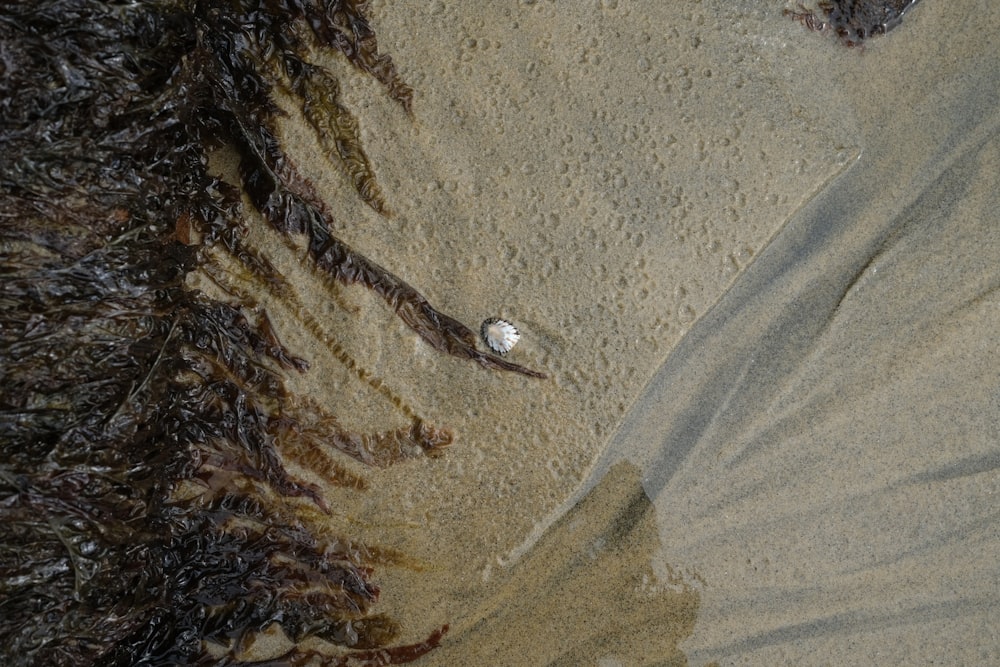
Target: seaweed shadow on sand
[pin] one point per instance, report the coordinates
(147, 514)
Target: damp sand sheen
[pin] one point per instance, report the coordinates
(760, 270)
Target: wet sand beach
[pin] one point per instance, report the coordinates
(754, 413)
(761, 269)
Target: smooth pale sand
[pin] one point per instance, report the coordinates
(761, 270)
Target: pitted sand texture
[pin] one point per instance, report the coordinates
(760, 266)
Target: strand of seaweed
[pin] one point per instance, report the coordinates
(378, 449)
(311, 324)
(283, 202)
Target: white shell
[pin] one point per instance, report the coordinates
(499, 335)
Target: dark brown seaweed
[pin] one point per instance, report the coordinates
(146, 513)
(854, 21)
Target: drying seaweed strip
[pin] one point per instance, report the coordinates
(146, 515)
(854, 21)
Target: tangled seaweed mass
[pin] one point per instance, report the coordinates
(145, 506)
(854, 21)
